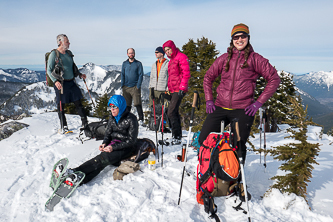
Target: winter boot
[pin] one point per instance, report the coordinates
(71, 179)
(176, 141)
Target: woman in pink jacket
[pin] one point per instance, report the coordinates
(239, 69)
(179, 74)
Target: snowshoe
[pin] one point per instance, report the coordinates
(57, 172)
(65, 189)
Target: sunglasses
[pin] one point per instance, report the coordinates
(236, 37)
(112, 107)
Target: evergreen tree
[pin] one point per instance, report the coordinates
(101, 106)
(71, 109)
(298, 156)
(277, 107)
(201, 55)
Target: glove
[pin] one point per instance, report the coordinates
(253, 108)
(210, 107)
(181, 94)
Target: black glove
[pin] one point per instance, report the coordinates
(181, 94)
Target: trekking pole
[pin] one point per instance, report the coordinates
(264, 121)
(242, 169)
(260, 129)
(162, 119)
(60, 107)
(153, 98)
(89, 93)
(194, 105)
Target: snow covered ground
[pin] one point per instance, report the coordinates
(27, 158)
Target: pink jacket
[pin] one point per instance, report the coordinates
(236, 90)
(178, 69)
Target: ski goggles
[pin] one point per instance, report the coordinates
(112, 107)
(236, 37)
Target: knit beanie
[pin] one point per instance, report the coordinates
(240, 28)
(160, 49)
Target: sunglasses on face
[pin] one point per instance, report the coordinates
(112, 107)
(236, 37)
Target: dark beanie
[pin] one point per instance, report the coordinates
(160, 49)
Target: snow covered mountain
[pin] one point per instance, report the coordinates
(317, 84)
(37, 97)
(21, 75)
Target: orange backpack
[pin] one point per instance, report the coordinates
(218, 167)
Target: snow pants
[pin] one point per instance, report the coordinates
(213, 124)
(95, 165)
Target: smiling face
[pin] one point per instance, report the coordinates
(240, 41)
(168, 51)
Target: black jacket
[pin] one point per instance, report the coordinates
(126, 130)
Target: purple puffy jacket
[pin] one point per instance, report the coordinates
(178, 69)
(236, 90)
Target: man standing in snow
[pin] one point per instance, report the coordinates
(131, 80)
(158, 76)
(65, 88)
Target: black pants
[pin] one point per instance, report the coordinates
(173, 114)
(79, 109)
(213, 124)
(95, 165)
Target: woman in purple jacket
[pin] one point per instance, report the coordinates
(239, 69)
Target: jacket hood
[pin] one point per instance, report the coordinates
(173, 47)
(120, 102)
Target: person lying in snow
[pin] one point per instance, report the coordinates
(119, 140)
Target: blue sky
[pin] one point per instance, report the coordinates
(294, 35)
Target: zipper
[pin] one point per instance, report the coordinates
(233, 80)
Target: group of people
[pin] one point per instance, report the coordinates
(238, 68)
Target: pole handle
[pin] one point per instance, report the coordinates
(195, 99)
(152, 94)
(237, 131)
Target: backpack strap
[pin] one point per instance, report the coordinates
(209, 205)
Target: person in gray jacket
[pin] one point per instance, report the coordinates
(158, 76)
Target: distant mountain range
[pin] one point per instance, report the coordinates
(316, 90)
(35, 97)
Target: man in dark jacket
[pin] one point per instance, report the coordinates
(119, 140)
(131, 80)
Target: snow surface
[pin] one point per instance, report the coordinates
(27, 158)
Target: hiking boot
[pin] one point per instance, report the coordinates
(241, 193)
(176, 141)
(166, 130)
(64, 130)
(71, 179)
